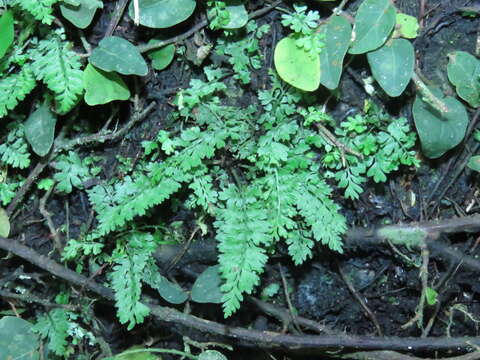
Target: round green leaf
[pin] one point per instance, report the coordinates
(163, 13)
(297, 67)
(162, 57)
(17, 341)
(439, 132)
(101, 87)
(212, 355)
(206, 288)
(170, 292)
(7, 31)
(338, 32)
(464, 72)
(392, 65)
(238, 14)
(374, 21)
(407, 26)
(40, 129)
(4, 223)
(474, 163)
(80, 14)
(116, 54)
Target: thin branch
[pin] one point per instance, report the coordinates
(197, 27)
(357, 296)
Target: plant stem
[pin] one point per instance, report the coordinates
(430, 97)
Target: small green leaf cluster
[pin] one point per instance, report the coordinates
(61, 329)
(218, 14)
(72, 171)
(243, 52)
(377, 146)
(304, 26)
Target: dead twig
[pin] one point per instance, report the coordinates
(357, 296)
(291, 310)
(51, 226)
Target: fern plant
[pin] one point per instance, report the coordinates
(41, 53)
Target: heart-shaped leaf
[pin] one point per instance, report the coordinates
(338, 33)
(40, 129)
(439, 131)
(296, 66)
(101, 87)
(162, 57)
(17, 340)
(464, 72)
(206, 288)
(6, 29)
(374, 21)
(392, 65)
(80, 14)
(162, 13)
(116, 54)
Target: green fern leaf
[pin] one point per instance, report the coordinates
(116, 205)
(320, 212)
(54, 327)
(14, 88)
(14, 151)
(243, 232)
(40, 9)
(126, 279)
(59, 68)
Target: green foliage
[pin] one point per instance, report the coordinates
(17, 341)
(218, 14)
(439, 131)
(72, 171)
(14, 88)
(61, 329)
(243, 51)
(53, 326)
(243, 233)
(304, 25)
(58, 66)
(40, 9)
(14, 151)
(131, 259)
(7, 191)
(379, 145)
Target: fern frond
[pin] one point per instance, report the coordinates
(127, 276)
(14, 88)
(59, 68)
(14, 151)
(320, 212)
(116, 205)
(243, 233)
(54, 328)
(40, 9)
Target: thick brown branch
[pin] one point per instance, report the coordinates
(265, 339)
